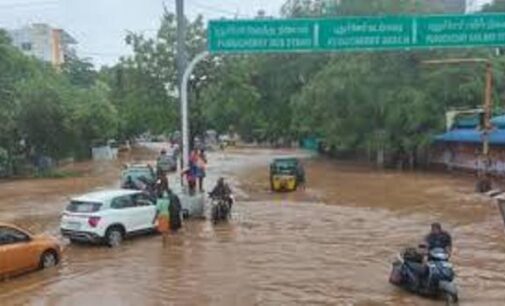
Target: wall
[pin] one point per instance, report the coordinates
(38, 36)
(466, 157)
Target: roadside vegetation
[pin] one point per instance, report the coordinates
(47, 115)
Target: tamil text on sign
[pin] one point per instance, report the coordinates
(356, 33)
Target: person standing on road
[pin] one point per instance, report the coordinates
(175, 211)
(201, 163)
(162, 214)
(190, 176)
(194, 172)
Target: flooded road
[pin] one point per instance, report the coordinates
(331, 244)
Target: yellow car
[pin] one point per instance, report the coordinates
(21, 251)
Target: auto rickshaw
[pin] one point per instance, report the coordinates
(286, 174)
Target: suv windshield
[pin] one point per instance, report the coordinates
(83, 207)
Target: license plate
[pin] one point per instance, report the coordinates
(73, 225)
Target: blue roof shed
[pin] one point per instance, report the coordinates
(474, 136)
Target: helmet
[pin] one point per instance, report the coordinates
(439, 254)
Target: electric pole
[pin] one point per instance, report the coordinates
(181, 40)
(181, 64)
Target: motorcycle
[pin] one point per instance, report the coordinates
(434, 279)
(220, 209)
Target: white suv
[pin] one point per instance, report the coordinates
(108, 216)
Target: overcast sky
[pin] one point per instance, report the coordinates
(100, 25)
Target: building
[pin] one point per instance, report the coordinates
(461, 146)
(44, 42)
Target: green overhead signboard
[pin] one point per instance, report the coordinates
(262, 35)
(365, 33)
(356, 33)
(461, 31)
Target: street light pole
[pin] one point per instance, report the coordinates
(181, 41)
(184, 106)
(181, 53)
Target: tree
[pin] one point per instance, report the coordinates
(94, 117)
(141, 85)
(495, 6)
(389, 101)
(80, 72)
(232, 100)
(43, 119)
(14, 66)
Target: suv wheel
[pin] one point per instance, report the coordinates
(114, 236)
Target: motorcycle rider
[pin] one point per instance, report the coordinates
(417, 260)
(438, 238)
(162, 163)
(222, 191)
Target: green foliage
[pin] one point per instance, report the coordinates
(79, 72)
(42, 118)
(496, 6)
(388, 101)
(45, 111)
(139, 84)
(317, 8)
(94, 118)
(4, 37)
(221, 100)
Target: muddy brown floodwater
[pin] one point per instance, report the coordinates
(331, 244)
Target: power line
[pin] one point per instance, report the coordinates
(102, 54)
(217, 9)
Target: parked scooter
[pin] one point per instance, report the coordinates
(435, 278)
